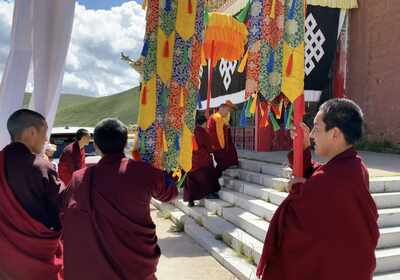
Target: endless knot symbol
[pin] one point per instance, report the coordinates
(314, 41)
(227, 68)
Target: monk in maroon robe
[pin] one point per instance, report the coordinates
(108, 230)
(224, 149)
(202, 180)
(31, 196)
(327, 228)
(73, 156)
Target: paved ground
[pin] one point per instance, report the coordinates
(379, 164)
(182, 258)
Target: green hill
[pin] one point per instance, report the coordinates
(77, 110)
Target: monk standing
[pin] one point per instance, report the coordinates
(224, 149)
(202, 180)
(30, 200)
(108, 230)
(73, 156)
(326, 229)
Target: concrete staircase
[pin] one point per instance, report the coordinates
(233, 227)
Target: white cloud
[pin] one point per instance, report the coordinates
(93, 63)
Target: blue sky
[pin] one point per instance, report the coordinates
(102, 4)
(102, 30)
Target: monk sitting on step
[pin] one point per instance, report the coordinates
(326, 229)
(108, 230)
(202, 180)
(30, 199)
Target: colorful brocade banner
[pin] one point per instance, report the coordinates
(169, 90)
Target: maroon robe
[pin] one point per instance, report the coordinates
(326, 228)
(28, 249)
(203, 178)
(227, 156)
(71, 160)
(108, 230)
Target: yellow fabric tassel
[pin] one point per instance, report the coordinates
(293, 85)
(165, 143)
(185, 22)
(203, 57)
(185, 154)
(182, 98)
(164, 63)
(147, 111)
(272, 13)
(243, 62)
(253, 105)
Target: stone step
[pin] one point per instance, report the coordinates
(273, 169)
(265, 180)
(387, 260)
(384, 184)
(388, 276)
(256, 206)
(255, 209)
(250, 223)
(389, 217)
(389, 237)
(376, 184)
(242, 243)
(383, 200)
(229, 258)
(387, 200)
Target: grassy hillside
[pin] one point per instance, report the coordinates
(77, 110)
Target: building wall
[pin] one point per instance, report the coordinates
(373, 80)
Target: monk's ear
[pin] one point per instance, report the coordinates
(337, 133)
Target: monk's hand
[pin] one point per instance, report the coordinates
(306, 132)
(293, 181)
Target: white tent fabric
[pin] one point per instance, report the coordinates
(41, 33)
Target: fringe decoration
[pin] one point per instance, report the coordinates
(190, 8)
(177, 143)
(273, 6)
(274, 122)
(144, 96)
(289, 119)
(145, 49)
(243, 62)
(165, 143)
(182, 99)
(292, 10)
(271, 62)
(168, 5)
(243, 119)
(142, 145)
(289, 66)
(166, 49)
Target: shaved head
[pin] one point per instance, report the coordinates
(23, 119)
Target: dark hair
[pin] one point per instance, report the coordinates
(346, 115)
(110, 136)
(200, 119)
(81, 133)
(23, 119)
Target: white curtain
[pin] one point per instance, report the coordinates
(41, 33)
